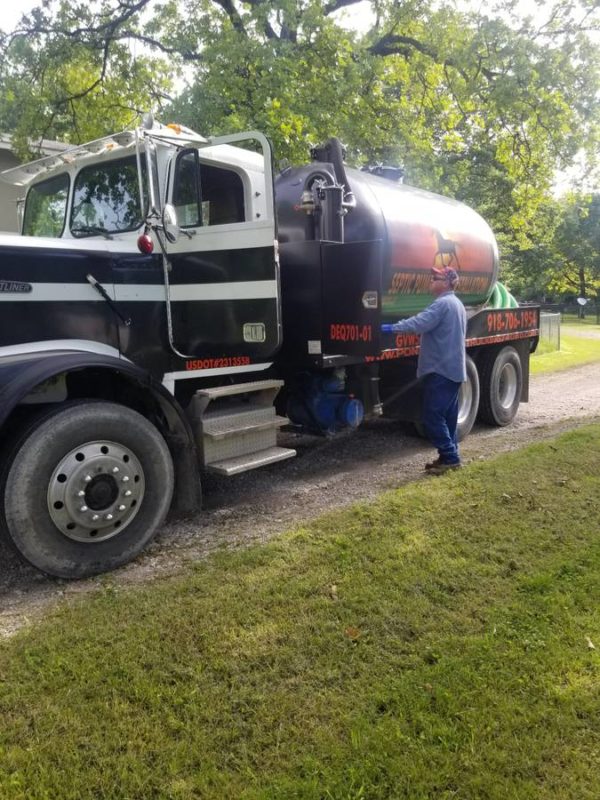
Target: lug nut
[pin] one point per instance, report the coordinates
(128, 493)
(122, 508)
(83, 508)
(125, 478)
(95, 517)
(87, 478)
(108, 516)
(81, 493)
(115, 469)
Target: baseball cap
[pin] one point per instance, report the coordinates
(447, 273)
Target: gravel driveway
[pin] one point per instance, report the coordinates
(326, 474)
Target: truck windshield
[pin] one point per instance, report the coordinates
(106, 198)
(46, 206)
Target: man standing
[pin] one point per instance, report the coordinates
(442, 326)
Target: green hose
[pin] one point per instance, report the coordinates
(494, 300)
(501, 297)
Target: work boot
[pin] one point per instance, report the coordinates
(432, 464)
(441, 468)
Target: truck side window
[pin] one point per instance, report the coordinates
(106, 197)
(186, 191)
(46, 206)
(222, 196)
(206, 195)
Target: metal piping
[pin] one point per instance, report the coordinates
(333, 152)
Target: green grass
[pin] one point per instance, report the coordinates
(573, 319)
(574, 351)
(433, 644)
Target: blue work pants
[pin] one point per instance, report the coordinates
(440, 415)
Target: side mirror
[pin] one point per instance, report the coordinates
(169, 222)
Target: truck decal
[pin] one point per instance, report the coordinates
(500, 338)
(14, 287)
(56, 292)
(409, 281)
(511, 320)
(206, 372)
(350, 332)
(198, 365)
(390, 355)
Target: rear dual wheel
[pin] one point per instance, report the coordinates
(468, 403)
(86, 489)
(501, 376)
(493, 393)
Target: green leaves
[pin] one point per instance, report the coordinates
(71, 74)
(484, 106)
(564, 257)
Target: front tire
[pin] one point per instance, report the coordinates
(88, 487)
(501, 376)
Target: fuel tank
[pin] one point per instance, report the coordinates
(417, 229)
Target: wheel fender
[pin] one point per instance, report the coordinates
(20, 375)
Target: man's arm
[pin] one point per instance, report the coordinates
(427, 320)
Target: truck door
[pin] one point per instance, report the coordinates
(223, 278)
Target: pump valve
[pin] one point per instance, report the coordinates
(307, 202)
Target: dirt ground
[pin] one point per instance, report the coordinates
(326, 474)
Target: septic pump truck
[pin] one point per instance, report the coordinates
(170, 305)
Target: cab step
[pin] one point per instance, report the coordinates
(222, 426)
(236, 426)
(233, 466)
(263, 392)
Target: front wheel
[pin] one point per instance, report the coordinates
(87, 489)
(501, 376)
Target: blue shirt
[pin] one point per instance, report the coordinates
(443, 326)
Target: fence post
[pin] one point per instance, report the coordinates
(550, 328)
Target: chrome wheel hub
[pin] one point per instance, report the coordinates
(507, 386)
(465, 401)
(95, 491)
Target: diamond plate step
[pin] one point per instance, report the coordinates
(218, 392)
(222, 428)
(233, 466)
(236, 426)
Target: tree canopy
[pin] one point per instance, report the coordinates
(566, 262)
(485, 106)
